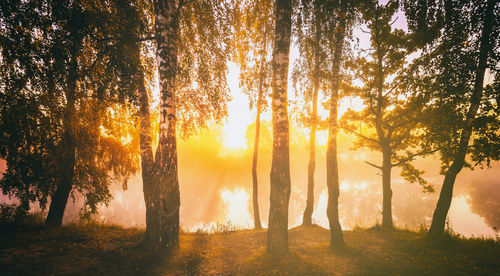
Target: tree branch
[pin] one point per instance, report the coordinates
(360, 135)
(373, 165)
(405, 133)
(411, 157)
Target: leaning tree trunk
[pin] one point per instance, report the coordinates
(307, 218)
(277, 234)
(255, 188)
(67, 158)
(386, 188)
(332, 169)
(147, 161)
(446, 195)
(24, 208)
(166, 197)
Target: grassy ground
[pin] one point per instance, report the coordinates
(109, 250)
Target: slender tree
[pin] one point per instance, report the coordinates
(147, 159)
(321, 37)
(253, 48)
(444, 202)
(163, 228)
(342, 26)
(277, 234)
(390, 112)
(182, 35)
(139, 14)
(309, 73)
(461, 119)
(68, 158)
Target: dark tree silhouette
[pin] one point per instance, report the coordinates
(461, 40)
(390, 112)
(64, 62)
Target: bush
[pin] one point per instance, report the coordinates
(8, 213)
(13, 217)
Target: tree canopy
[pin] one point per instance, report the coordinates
(64, 75)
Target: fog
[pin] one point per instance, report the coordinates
(215, 184)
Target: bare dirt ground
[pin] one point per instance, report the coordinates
(110, 250)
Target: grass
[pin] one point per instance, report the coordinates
(98, 249)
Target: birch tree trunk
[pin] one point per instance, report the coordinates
(446, 195)
(277, 234)
(332, 169)
(255, 188)
(307, 218)
(164, 229)
(147, 161)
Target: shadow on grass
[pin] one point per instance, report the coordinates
(95, 249)
(264, 263)
(137, 259)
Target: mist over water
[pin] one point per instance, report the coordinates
(216, 183)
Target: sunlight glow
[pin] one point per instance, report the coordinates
(234, 129)
(240, 116)
(464, 221)
(322, 137)
(344, 186)
(236, 204)
(354, 103)
(319, 214)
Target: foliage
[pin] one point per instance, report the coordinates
(15, 218)
(253, 41)
(8, 213)
(388, 123)
(310, 18)
(445, 73)
(40, 42)
(203, 48)
(315, 28)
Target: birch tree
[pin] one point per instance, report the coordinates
(253, 43)
(309, 73)
(191, 60)
(340, 28)
(277, 234)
